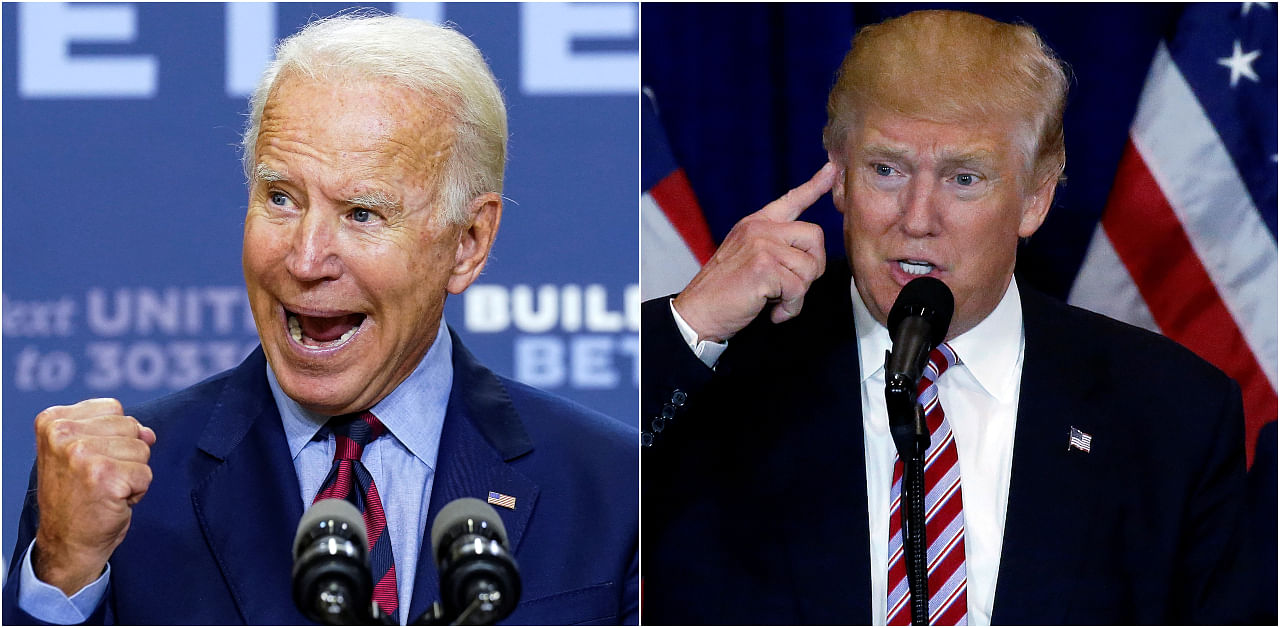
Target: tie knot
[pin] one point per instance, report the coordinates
(353, 432)
(941, 358)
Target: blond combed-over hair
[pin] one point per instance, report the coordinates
(956, 68)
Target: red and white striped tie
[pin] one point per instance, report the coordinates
(944, 515)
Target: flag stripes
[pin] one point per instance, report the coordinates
(674, 196)
(1178, 291)
(1185, 246)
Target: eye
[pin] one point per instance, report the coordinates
(361, 214)
(883, 170)
(966, 179)
(278, 198)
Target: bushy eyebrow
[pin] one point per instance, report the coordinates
(375, 200)
(372, 200)
(265, 174)
(977, 159)
(884, 151)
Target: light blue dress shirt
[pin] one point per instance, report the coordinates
(402, 464)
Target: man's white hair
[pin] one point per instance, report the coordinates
(436, 61)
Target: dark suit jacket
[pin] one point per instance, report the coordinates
(210, 542)
(754, 494)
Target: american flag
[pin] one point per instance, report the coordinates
(498, 499)
(676, 239)
(1079, 440)
(1187, 242)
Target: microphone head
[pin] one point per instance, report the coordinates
(479, 578)
(336, 517)
(472, 514)
(331, 579)
(926, 297)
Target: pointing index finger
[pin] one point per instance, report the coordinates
(794, 202)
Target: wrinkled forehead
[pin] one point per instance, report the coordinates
(355, 126)
(885, 132)
(1003, 148)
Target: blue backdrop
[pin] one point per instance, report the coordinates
(124, 201)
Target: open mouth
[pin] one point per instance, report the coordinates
(323, 332)
(913, 267)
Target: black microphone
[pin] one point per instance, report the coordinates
(331, 579)
(479, 579)
(917, 323)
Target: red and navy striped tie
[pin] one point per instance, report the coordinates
(944, 515)
(353, 432)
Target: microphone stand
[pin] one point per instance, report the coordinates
(911, 437)
(379, 618)
(435, 616)
(915, 541)
(347, 615)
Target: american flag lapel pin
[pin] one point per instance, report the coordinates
(1079, 440)
(498, 499)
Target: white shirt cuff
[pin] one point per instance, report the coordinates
(49, 604)
(706, 350)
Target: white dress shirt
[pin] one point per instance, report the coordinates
(706, 350)
(980, 398)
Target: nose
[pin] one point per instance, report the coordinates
(921, 216)
(313, 252)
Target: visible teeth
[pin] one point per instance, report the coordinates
(343, 338)
(915, 268)
(295, 330)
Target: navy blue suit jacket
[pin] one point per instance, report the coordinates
(754, 494)
(210, 542)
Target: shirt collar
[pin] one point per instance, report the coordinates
(990, 351)
(873, 338)
(413, 413)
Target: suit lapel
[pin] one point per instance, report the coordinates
(1051, 487)
(838, 476)
(482, 433)
(827, 387)
(248, 505)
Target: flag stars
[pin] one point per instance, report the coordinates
(1240, 63)
(1244, 10)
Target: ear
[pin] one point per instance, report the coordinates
(837, 190)
(1036, 208)
(475, 241)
